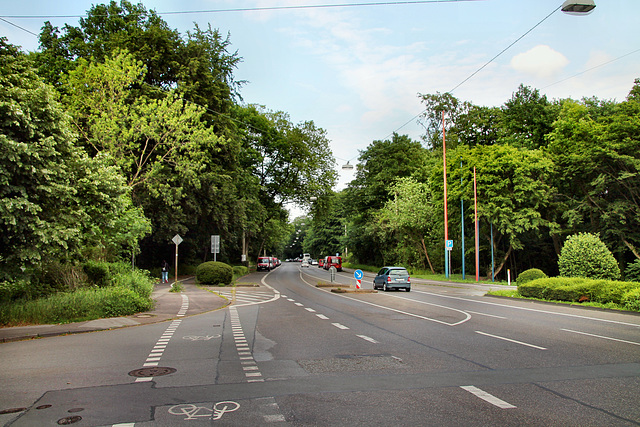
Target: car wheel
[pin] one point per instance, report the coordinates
(408, 289)
(385, 287)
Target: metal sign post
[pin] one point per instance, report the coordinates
(449, 247)
(358, 276)
(177, 240)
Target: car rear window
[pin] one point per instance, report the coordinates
(263, 259)
(399, 272)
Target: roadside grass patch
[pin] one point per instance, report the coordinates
(122, 293)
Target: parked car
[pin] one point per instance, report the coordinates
(264, 263)
(333, 261)
(389, 278)
(321, 262)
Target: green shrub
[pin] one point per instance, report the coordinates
(122, 301)
(632, 272)
(97, 272)
(139, 281)
(80, 305)
(529, 275)
(631, 299)
(585, 255)
(214, 273)
(13, 290)
(578, 289)
(239, 270)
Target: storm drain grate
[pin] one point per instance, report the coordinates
(156, 371)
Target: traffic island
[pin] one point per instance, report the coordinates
(345, 290)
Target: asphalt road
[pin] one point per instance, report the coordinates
(289, 353)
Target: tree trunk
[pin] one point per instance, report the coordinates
(424, 247)
(504, 260)
(631, 247)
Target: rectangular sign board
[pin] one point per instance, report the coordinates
(215, 244)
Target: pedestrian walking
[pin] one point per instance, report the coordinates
(165, 271)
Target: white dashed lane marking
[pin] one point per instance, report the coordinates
(158, 350)
(487, 397)
(249, 366)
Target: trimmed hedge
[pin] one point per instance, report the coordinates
(214, 273)
(240, 270)
(577, 289)
(529, 275)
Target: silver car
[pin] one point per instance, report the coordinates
(389, 278)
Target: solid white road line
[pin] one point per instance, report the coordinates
(510, 340)
(487, 397)
(601, 336)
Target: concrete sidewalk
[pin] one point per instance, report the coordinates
(168, 305)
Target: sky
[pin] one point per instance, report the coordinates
(357, 70)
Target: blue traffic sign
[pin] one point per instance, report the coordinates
(449, 244)
(358, 274)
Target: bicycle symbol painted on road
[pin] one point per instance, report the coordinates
(194, 412)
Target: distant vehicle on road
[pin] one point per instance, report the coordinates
(333, 261)
(389, 278)
(321, 262)
(305, 263)
(264, 263)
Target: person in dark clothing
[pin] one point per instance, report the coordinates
(165, 271)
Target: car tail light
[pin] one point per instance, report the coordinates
(409, 279)
(388, 278)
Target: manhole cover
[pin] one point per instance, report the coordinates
(156, 371)
(69, 420)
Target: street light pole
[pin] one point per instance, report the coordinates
(446, 227)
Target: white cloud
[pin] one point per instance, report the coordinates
(540, 61)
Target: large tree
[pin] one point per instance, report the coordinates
(596, 150)
(55, 201)
(514, 192)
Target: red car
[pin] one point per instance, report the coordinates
(333, 261)
(321, 262)
(264, 263)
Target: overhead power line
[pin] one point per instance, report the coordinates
(261, 9)
(482, 67)
(18, 26)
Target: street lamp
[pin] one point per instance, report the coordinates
(578, 7)
(347, 166)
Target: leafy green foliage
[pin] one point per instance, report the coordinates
(578, 289)
(529, 275)
(97, 272)
(214, 273)
(632, 272)
(585, 255)
(129, 292)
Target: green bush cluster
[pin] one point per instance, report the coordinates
(214, 273)
(123, 292)
(239, 270)
(585, 255)
(632, 272)
(529, 275)
(97, 272)
(81, 305)
(577, 289)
